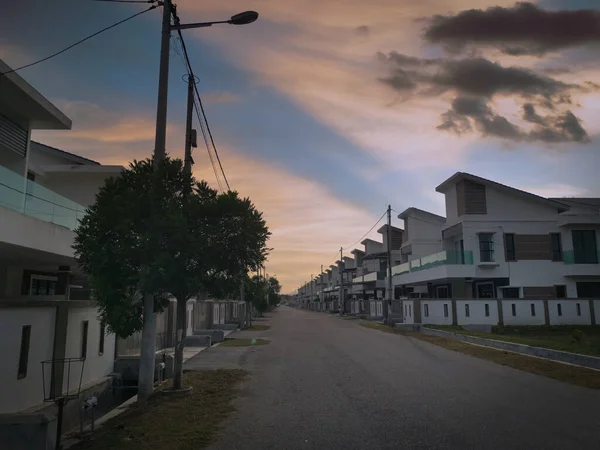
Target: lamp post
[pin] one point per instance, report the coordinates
(147, 353)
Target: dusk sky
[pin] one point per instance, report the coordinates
(324, 112)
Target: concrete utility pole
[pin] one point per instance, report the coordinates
(148, 347)
(188, 126)
(390, 289)
(341, 282)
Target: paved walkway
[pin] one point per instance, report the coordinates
(327, 383)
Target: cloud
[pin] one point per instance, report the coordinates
(475, 83)
(524, 29)
(220, 97)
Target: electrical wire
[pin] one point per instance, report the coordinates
(126, 1)
(200, 121)
(80, 41)
(207, 126)
(363, 236)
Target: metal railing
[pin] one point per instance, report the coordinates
(569, 257)
(32, 199)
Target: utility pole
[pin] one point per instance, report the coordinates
(188, 126)
(148, 346)
(390, 289)
(342, 303)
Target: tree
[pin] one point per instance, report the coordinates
(160, 232)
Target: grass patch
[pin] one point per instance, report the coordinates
(350, 318)
(567, 338)
(579, 376)
(258, 327)
(169, 423)
(242, 342)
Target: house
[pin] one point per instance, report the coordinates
(46, 312)
(517, 252)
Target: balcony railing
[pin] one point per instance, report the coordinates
(569, 257)
(437, 259)
(32, 199)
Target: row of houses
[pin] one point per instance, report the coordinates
(47, 311)
(499, 256)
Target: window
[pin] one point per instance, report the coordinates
(42, 285)
(511, 292)
(588, 289)
(513, 308)
(30, 175)
(486, 247)
(487, 310)
(84, 338)
(584, 247)
(485, 290)
(467, 312)
(578, 305)
(561, 291)
(556, 246)
(533, 310)
(103, 332)
(459, 249)
(24, 352)
(445, 310)
(559, 309)
(426, 308)
(442, 291)
(509, 247)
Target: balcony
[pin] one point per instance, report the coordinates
(32, 199)
(413, 271)
(581, 265)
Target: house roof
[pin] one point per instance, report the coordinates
(412, 211)
(22, 104)
(458, 176)
(357, 251)
(383, 229)
(58, 152)
(364, 242)
(579, 201)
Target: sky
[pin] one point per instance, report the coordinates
(326, 111)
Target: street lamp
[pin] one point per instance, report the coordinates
(242, 18)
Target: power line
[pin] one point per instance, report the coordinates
(126, 1)
(371, 229)
(191, 73)
(80, 41)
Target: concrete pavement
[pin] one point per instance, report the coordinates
(327, 383)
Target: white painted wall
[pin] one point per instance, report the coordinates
(569, 312)
(506, 206)
(476, 312)
(373, 247)
(26, 231)
(96, 366)
(15, 394)
(523, 312)
(423, 228)
(436, 312)
(451, 206)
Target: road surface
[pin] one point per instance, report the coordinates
(328, 383)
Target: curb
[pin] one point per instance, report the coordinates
(590, 362)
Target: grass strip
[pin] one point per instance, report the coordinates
(242, 342)
(579, 376)
(173, 423)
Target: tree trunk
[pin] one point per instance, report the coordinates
(148, 350)
(181, 330)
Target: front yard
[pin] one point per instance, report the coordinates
(172, 423)
(567, 338)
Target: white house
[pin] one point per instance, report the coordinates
(45, 308)
(503, 243)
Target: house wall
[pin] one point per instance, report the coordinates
(409, 311)
(373, 247)
(451, 206)
(423, 228)
(523, 312)
(18, 394)
(26, 231)
(569, 314)
(597, 311)
(96, 366)
(476, 312)
(436, 312)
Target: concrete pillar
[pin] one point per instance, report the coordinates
(59, 348)
(546, 312)
(417, 310)
(454, 314)
(592, 312)
(500, 312)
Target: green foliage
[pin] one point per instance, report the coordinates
(157, 230)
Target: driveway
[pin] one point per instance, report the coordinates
(328, 383)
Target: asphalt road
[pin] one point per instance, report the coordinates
(328, 383)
